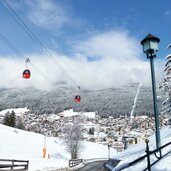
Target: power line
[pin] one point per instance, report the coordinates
(14, 15)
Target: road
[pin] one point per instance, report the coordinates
(94, 166)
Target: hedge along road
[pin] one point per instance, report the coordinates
(94, 166)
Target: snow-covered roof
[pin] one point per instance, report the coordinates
(53, 117)
(69, 113)
(89, 114)
(142, 117)
(89, 125)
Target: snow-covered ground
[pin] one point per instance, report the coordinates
(23, 145)
(138, 150)
(18, 111)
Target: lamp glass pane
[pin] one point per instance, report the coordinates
(154, 45)
(146, 46)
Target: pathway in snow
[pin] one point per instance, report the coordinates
(94, 166)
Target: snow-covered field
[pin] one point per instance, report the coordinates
(23, 145)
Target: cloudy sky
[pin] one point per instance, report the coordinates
(97, 43)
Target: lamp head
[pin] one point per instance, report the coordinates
(150, 44)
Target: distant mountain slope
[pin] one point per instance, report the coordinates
(114, 101)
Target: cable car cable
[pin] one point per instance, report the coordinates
(36, 40)
(9, 44)
(12, 47)
(21, 54)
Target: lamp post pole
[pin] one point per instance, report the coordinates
(109, 151)
(150, 46)
(156, 114)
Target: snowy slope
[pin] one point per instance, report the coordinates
(18, 144)
(138, 150)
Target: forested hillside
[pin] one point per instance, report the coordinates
(114, 101)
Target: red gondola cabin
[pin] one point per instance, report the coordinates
(77, 99)
(26, 74)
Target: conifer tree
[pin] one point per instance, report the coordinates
(166, 86)
(6, 120)
(10, 119)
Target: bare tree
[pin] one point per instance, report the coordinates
(20, 123)
(73, 139)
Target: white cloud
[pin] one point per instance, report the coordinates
(112, 44)
(118, 64)
(47, 14)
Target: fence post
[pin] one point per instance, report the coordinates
(148, 155)
(12, 167)
(26, 167)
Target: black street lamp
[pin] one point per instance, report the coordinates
(150, 46)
